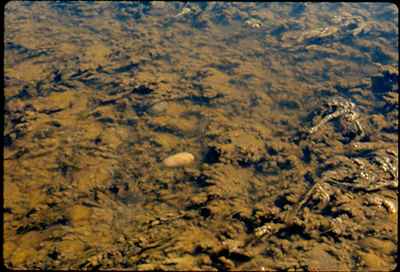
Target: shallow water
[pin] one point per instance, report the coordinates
(290, 110)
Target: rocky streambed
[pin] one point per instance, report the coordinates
(288, 112)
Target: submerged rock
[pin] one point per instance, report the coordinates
(179, 159)
(253, 23)
(158, 108)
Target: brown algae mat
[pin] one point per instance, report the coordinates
(288, 113)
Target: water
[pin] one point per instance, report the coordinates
(98, 94)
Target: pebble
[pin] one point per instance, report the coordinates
(158, 108)
(179, 159)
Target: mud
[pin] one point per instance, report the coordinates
(98, 94)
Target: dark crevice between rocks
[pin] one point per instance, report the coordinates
(360, 153)
(97, 140)
(113, 189)
(93, 82)
(285, 165)
(55, 123)
(205, 212)
(244, 163)
(202, 208)
(53, 254)
(228, 68)
(28, 228)
(56, 76)
(106, 120)
(30, 212)
(80, 73)
(129, 122)
(132, 67)
(343, 91)
(236, 257)
(25, 93)
(281, 201)
(201, 181)
(332, 234)
(199, 100)
(248, 222)
(272, 151)
(294, 229)
(41, 226)
(391, 129)
(348, 137)
(164, 129)
(7, 140)
(324, 168)
(308, 178)
(299, 136)
(306, 155)
(289, 104)
(140, 109)
(142, 90)
(212, 156)
(51, 111)
(384, 83)
(7, 210)
(25, 52)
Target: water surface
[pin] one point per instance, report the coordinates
(98, 94)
